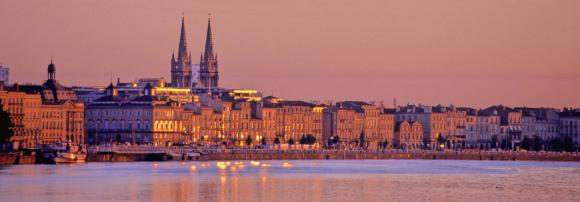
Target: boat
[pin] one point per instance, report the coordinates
(68, 157)
(74, 155)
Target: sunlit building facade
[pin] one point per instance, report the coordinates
(25, 113)
(408, 134)
(433, 120)
(387, 126)
(61, 113)
(143, 120)
(353, 121)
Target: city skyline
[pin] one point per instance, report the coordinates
(309, 100)
(416, 57)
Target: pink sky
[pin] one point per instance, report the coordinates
(472, 52)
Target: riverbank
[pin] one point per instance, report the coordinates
(246, 154)
(219, 155)
(16, 158)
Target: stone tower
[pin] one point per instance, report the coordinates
(209, 63)
(181, 75)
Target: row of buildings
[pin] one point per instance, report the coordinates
(145, 113)
(193, 109)
(229, 118)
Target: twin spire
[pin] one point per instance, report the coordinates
(183, 52)
(182, 68)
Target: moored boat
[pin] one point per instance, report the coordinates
(74, 154)
(70, 157)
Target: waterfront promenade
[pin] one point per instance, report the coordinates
(151, 154)
(144, 153)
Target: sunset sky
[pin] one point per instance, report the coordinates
(463, 52)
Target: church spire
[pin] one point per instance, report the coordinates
(182, 52)
(181, 72)
(208, 41)
(208, 65)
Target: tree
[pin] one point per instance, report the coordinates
(118, 138)
(556, 144)
(362, 140)
(291, 141)
(440, 140)
(537, 143)
(386, 144)
(336, 139)
(526, 143)
(263, 141)
(302, 140)
(5, 126)
(276, 140)
(568, 144)
(506, 143)
(494, 141)
(383, 144)
(310, 139)
(249, 140)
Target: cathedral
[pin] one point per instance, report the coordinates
(185, 74)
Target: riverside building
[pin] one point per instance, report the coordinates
(61, 115)
(480, 129)
(146, 119)
(352, 121)
(510, 133)
(570, 124)
(408, 134)
(25, 113)
(433, 120)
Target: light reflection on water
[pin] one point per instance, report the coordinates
(355, 180)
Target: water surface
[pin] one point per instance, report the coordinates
(336, 180)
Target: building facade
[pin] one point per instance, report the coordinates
(387, 126)
(353, 121)
(408, 134)
(570, 125)
(57, 116)
(25, 113)
(143, 120)
(481, 128)
(433, 120)
(456, 126)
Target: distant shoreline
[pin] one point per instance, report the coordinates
(256, 154)
(233, 155)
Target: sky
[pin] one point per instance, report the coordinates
(467, 53)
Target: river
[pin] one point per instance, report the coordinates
(316, 180)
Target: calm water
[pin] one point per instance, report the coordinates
(356, 180)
